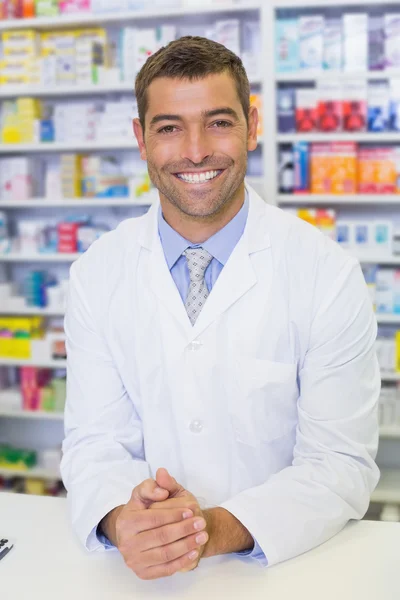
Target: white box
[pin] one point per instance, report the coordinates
(392, 42)
(384, 291)
(355, 42)
(311, 40)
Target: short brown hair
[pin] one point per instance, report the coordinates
(191, 57)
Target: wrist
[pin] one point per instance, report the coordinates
(108, 525)
(226, 533)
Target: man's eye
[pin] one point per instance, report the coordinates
(167, 129)
(222, 124)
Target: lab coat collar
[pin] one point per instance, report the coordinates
(237, 277)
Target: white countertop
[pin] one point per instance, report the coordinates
(47, 563)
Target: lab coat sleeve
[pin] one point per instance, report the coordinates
(333, 472)
(103, 457)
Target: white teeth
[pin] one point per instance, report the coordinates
(198, 177)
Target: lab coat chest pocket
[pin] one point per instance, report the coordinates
(264, 406)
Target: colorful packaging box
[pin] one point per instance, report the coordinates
(355, 105)
(355, 41)
(384, 291)
(377, 171)
(256, 100)
(46, 8)
(311, 40)
(287, 51)
(68, 237)
(73, 6)
(378, 106)
(343, 172)
(376, 38)
(392, 42)
(321, 163)
(301, 153)
(394, 105)
(330, 106)
(306, 110)
(286, 170)
(332, 53)
(286, 110)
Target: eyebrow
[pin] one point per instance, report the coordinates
(225, 110)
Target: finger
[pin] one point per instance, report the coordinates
(146, 493)
(170, 552)
(184, 502)
(140, 521)
(167, 482)
(168, 569)
(157, 538)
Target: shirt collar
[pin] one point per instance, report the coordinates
(220, 245)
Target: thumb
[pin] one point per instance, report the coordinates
(166, 482)
(146, 493)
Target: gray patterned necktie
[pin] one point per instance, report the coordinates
(198, 260)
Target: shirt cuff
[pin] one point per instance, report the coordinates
(256, 554)
(104, 541)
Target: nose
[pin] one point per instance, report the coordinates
(195, 146)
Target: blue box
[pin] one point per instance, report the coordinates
(286, 110)
(301, 151)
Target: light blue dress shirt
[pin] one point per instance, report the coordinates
(220, 246)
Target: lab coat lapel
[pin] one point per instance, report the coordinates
(160, 278)
(238, 275)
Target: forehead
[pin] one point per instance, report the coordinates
(186, 98)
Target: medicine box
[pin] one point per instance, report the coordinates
(306, 110)
(301, 153)
(355, 105)
(286, 110)
(332, 51)
(378, 106)
(330, 106)
(311, 40)
(355, 41)
(392, 42)
(287, 52)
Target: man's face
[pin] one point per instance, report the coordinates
(196, 142)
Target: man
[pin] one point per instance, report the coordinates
(218, 338)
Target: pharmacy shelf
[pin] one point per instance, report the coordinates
(39, 258)
(88, 19)
(41, 147)
(388, 136)
(390, 376)
(389, 432)
(299, 77)
(123, 144)
(35, 472)
(336, 199)
(13, 396)
(36, 91)
(44, 364)
(32, 310)
(388, 488)
(373, 259)
(79, 202)
(388, 319)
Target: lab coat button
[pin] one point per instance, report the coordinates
(196, 345)
(196, 426)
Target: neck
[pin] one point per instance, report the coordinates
(199, 229)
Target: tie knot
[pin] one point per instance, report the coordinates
(198, 260)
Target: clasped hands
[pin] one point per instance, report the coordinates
(161, 530)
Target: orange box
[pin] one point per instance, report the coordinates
(256, 100)
(320, 162)
(28, 9)
(377, 173)
(343, 168)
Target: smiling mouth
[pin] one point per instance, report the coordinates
(203, 177)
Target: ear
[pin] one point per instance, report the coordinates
(252, 129)
(139, 134)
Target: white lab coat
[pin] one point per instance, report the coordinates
(267, 406)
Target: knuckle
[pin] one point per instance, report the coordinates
(165, 554)
(163, 536)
